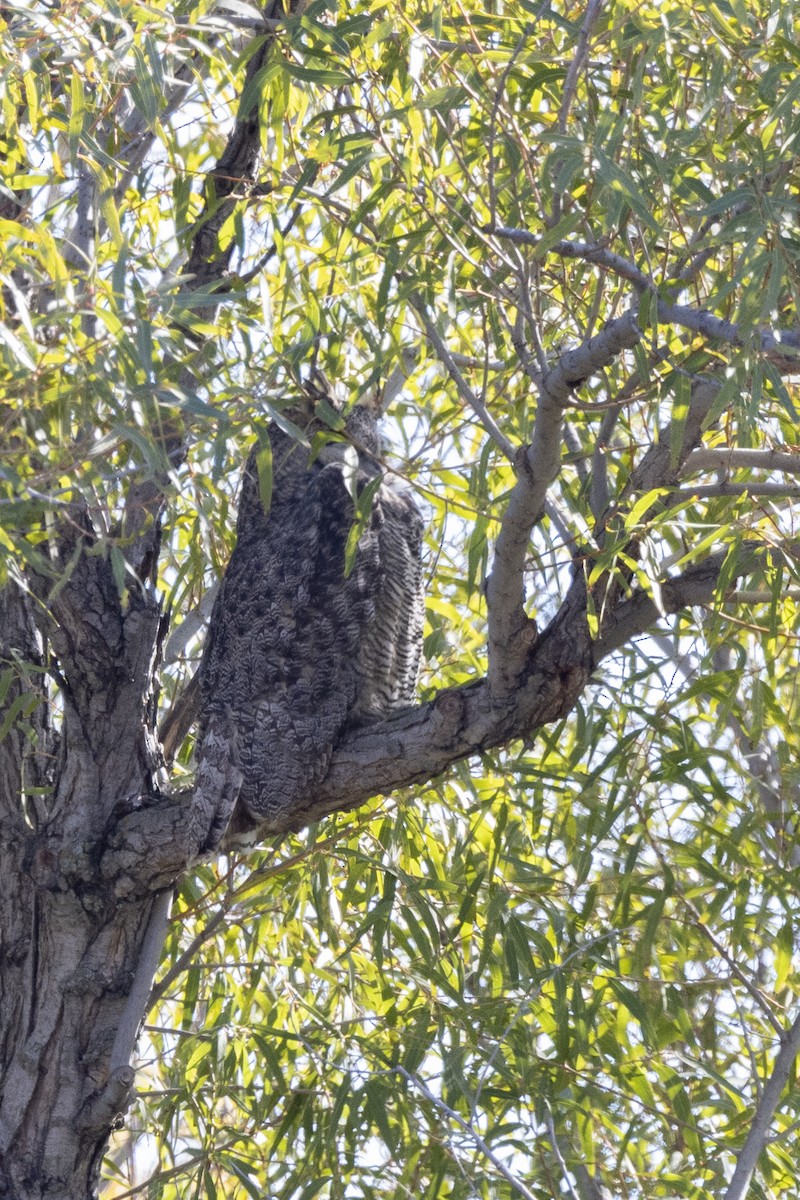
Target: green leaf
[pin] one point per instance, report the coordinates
(680, 411)
(264, 468)
(364, 502)
(77, 109)
(322, 76)
(443, 99)
(621, 181)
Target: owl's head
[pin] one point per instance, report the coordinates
(360, 422)
(361, 426)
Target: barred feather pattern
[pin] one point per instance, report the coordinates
(296, 650)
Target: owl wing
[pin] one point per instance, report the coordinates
(389, 653)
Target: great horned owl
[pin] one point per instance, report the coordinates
(296, 647)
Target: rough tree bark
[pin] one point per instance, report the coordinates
(69, 944)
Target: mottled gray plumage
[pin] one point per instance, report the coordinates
(295, 649)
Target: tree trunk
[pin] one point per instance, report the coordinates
(67, 973)
(70, 939)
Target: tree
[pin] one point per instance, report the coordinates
(543, 942)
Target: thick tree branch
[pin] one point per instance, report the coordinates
(776, 491)
(635, 616)
(148, 849)
(578, 365)
(781, 346)
(723, 459)
(511, 632)
(235, 173)
(464, 721)
(230, 180)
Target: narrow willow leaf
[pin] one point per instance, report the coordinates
(77, 110)
(264, 467)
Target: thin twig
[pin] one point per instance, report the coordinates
(593, 10)
(755, 757)
(257, 876)
(696, 586)
(782, 346)
(470, 1130)
(553, 514)
(464, 390)
(592, 252)
(553, 1139)
(521, 42)
(693, 261)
